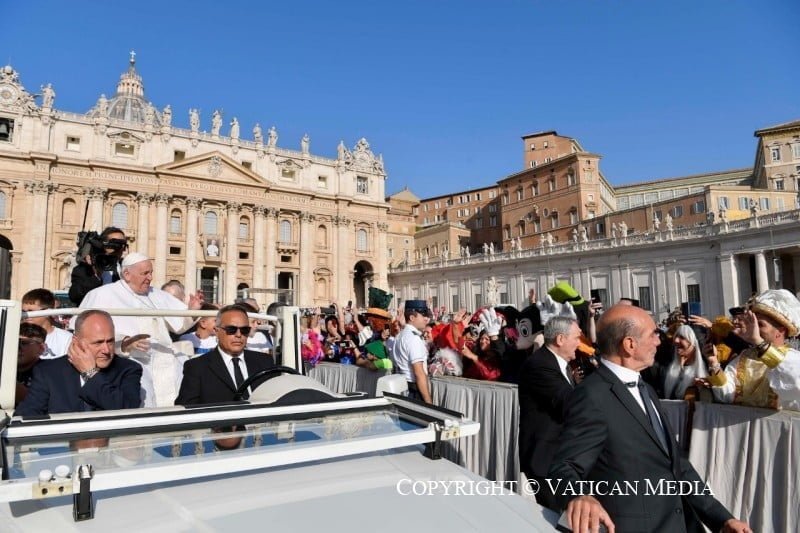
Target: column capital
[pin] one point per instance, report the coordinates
(341, 221)
(383, 226)
(95, 193)
(193, 202)
(40, 187)
(272, 212)
(163, 198)
(234, 207)
(144, 198)
(260, 211)
(306, 216)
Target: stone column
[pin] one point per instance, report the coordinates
(305, 284)
(381, 256)
(37, 233)
(270, 251)
(160, 256)
(95, 196)
(344, 270)
(232, 255)
(729, 282)
(762, 277)
(259, 229)
(190, 267)
(143, 228)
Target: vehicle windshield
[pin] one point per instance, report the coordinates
(107, 450)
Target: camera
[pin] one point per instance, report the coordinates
(90, 243)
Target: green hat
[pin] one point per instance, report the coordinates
(379, 303)
(379, 298)
(564, 292)
(377, 348)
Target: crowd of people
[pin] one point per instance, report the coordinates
(588, 380)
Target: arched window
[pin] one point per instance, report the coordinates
(521, 228)
(286, 231)
(68, 213)
(322, 236)
(361, 240)
(244, 228)
(210, 223)
(3, 204)
(175, 222)
(119, 215)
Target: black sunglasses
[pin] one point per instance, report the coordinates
(231, 330)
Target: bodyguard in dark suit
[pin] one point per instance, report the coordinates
(545, 383)
(615, 435)
(215, 376)
(88, 378)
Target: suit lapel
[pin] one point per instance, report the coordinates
(217, 366)
(552, 362)
(625, 397)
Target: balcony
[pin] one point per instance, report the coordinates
(291, 247)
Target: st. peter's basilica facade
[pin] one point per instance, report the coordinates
(215, 211)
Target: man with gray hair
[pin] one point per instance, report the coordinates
(146, 338)
(545, 382)
(89, 378)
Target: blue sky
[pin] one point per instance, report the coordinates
(444, 89)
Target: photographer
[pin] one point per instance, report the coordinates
(98, 258)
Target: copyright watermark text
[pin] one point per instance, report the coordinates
(561, 487)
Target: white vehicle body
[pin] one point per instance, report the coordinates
(338, 463)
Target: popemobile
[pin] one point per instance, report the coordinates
(294, 455)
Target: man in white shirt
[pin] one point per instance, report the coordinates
(58, 340)
(147, 339)
(615, 435)
(410, 353)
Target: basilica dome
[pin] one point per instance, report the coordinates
(129, 103)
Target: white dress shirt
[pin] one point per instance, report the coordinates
(562, 365)
(228, 360)
(626, 375)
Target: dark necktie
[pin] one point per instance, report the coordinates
(651, 414)
(237, 374)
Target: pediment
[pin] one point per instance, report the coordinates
(125, 136)
(213, 166)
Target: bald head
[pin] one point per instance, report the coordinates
(627, 336)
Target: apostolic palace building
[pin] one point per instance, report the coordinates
(222, 213)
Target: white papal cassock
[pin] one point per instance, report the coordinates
(163, 366)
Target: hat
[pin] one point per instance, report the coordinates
(418, 306)
(378, 303)
(376, 348)
(133, 258)
(564, 292)
(781, 306)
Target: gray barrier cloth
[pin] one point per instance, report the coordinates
(677, 413)
(492, 453)
(347, 378)
(750, 458)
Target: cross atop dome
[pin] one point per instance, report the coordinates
(133, 57)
